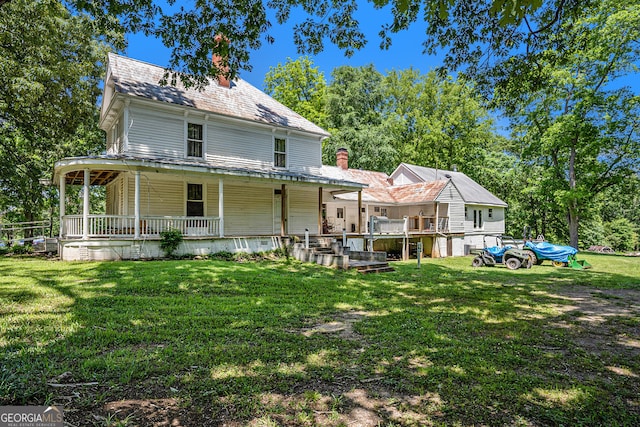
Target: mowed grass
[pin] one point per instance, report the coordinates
(284, 343)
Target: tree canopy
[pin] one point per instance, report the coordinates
(573, 120)
(469, 32)
(301, 86)
(50, 68)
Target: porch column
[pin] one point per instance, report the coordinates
(63, 203)
(437, 215)
(85, 206)
(136, 206)
(283, 210)
(320, 230)
(359, 211)
(221, 207)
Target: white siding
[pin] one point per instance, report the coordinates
(451, 196)
(158, 197)
(115, 197)
(402, 176)
(494, 225)
(212, 201)
(155, 134)
(303, 209)
(248, 210)
(304, 153)
(238, 147)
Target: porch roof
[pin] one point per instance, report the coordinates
(105, 168)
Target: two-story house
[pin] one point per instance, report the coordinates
(235, 170)
(230, 167)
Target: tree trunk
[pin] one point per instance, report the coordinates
(574, 220)
(573, 202)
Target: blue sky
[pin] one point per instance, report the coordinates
(405, 52)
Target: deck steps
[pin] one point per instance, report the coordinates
(330, 252)
(367, 267)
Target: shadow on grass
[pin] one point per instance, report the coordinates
(207, 343)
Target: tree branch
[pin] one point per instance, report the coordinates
(555, 19)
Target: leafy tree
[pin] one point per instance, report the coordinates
(471, 30)
(579, 128)
(621, 234)
(50, 66)
(355, 102)
(437, 121)
(300, 86)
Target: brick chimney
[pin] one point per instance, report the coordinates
(342, 158)
(219, 62)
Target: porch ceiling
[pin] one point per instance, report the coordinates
(96, 177)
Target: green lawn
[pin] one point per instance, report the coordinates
(283, 343)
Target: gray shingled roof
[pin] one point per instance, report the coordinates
(242, 100)
(471, 191)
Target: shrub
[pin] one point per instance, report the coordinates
(222, 256)
(169, 241)
(21, 249)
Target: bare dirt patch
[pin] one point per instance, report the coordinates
(603, 320)
(342, 324)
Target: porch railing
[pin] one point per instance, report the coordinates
(150, 226)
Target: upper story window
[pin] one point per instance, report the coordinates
(195, 202)
(280, 153)
(195, 140)
(116, 139)
(490, 213)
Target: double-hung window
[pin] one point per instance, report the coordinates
(195, 201)
(280, 153)
(195, 140)
(477, 219)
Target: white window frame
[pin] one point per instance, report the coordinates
(117, 138)
(478, 222)
(187, 200)
(285, 152)
(188, 122)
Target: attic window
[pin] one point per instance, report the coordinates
(195, 140)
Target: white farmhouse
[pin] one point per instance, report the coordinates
(235, 170)
(231, 168)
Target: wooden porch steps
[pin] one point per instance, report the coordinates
(367, 267)
(329, 252)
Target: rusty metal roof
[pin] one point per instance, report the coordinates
(417, 193)
(381, 190)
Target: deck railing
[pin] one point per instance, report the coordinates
(415, 224)
(150, 226)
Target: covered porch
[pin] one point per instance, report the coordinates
(207, 204)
